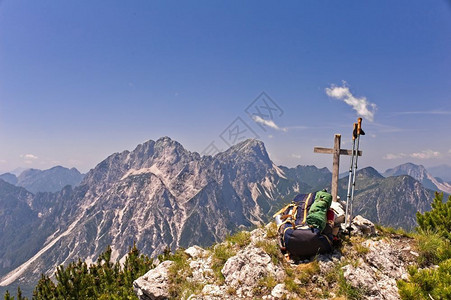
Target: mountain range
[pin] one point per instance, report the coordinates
(161, 195)
(422, 175)
(51, 180)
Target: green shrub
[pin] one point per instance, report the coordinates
(101, 280)
(434, 238)
(432, 248)
(427, 283)
(438, 219)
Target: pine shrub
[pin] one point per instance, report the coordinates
(438, 219)
(102, 280)
(433, 283)
(434, 238)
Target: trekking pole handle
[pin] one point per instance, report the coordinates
(359, 126)
(354, 131)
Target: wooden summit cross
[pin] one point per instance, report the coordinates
(336, 151)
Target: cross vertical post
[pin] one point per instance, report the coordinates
(336, 151)
(335, 166)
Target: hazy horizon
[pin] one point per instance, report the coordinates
(344, 165)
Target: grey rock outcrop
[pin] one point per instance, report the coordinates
(377, 272)
(154, 284)
(371, 266)
(242, 271)
(362, 226)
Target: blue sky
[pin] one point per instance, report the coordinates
(80, 80)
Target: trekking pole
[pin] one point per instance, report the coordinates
(359, 132)
(348, 198)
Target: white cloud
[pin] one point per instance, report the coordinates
(426, 154)
(391, 156)
(269, 123)
(361, 105)
(297, 156)
(29, 156)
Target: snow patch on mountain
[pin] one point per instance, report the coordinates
(443, 186)
(279, 171)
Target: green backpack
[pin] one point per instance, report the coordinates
(317, 213)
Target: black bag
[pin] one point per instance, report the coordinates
(296, 238)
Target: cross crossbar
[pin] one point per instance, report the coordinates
(336, 151)
(331, 151)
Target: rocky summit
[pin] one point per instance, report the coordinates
(366, 266)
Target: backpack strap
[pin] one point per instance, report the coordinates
(327, 238)
(286, 216)
(283, 209)
(306, 206)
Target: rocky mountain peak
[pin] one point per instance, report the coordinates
(250, 150)
(419, 172)
(9, 177)
(50, 180)
(369, 172)
(416, 171)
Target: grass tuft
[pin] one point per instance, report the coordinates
(179, 284)
(264, 285)
(271, 231)
(240, 239)
(383, 230)
(221, 253)
(432, 248)
(272, 249)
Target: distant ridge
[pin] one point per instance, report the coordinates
(51, 180)
(9, 178)
(391, 201)
(420, 173)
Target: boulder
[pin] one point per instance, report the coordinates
(196, 252)
(362, 226)
(377, 273)
(154, 285)
(244, 270)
